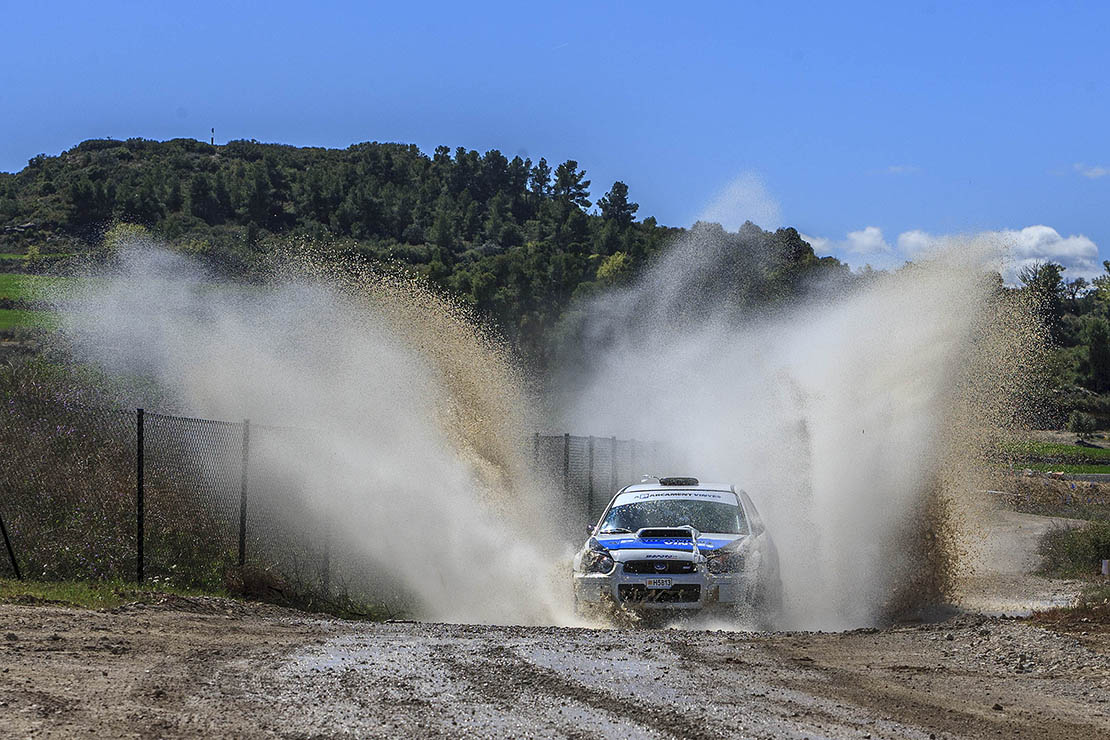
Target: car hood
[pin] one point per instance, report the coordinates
(624, 547)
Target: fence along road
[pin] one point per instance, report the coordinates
(107, 494)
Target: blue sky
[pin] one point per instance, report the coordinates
(857, 123)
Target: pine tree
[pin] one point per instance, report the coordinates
(1098, 356)
(614, 205)
(540, 182)
(571, 185)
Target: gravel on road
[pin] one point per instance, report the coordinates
(211, 667)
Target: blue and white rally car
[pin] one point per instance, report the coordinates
(677, 544)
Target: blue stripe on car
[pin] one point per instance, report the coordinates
(632, 543)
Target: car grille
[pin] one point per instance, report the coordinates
(682, 594)
(650, 567)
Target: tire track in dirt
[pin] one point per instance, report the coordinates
(259, 673)
(914, 704)
(502, 674)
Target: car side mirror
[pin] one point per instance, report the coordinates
(589, 529)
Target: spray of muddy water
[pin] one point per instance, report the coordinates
(417, 418)
(853, 418)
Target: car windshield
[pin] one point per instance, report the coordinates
(704, 516)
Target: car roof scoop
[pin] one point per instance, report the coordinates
(667, 533)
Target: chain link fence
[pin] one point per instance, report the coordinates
(590, 470)
(92, 493)
(67, 489)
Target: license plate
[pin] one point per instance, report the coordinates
(658, 582)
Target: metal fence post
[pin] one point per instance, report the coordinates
(590, 485)
(11, 552)
(243, 494)
(612, 465)
(139, 498)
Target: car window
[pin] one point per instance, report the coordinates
(704, 516)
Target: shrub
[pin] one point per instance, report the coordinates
(1075, 551)
(1083, 425)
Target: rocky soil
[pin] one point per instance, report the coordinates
(200, 667)
(208, 667)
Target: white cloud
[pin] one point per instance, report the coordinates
(1077, 253)
(915, 242)
(868, 240)
(868, 245)
(820, 244)
(744, 199)
(1010, 249)
(902, 169)
(1093, 171)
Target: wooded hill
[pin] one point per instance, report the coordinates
(516, 239)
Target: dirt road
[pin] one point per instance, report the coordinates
(211, 667)
(1004, 581)
(203, 667)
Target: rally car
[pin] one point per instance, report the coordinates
(679, 545)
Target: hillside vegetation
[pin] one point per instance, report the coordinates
(515, 239)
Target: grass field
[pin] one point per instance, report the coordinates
(17, 286)
(1058, 454)
(86, 594)
(12, 318)
(1080, 469)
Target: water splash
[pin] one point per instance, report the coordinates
(417, 460)
(851, 415)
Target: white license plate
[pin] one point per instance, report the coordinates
(658, 582)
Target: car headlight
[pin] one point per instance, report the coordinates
(598, 562)
(596, 559)
(724, 561)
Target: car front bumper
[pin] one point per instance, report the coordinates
(687, 591)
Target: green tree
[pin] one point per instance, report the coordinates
(1097, 339)
(88, 202)
(539, 184)
(1074, 290)
(260, 192)
(1045, 283)
(1101, 284)
(615, 269)
(1081, 424)
(571, 185)
(174, 199)
(496, 218)
(608, 240)
(443, 228)
(615, 207)
(202, 199)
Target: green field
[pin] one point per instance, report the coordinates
(1059, 454)
(17, 286)
(11, 318)
(88, 594)
(1059, 458)
(1068, 468)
